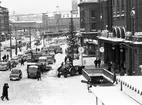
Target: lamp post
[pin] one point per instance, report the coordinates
(133, 18)
(10, 28)
(15, 40)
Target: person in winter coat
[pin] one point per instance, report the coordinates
(96, 62)
(99, 62)
(5, 92)
(38, 75)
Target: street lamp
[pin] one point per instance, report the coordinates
(133, 18)
(10, 28)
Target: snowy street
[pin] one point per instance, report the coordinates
(51, 90)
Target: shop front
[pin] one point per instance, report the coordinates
(125, 53)
(88, 40)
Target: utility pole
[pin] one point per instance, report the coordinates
(30, 37)
(15, 40)
(10, 29)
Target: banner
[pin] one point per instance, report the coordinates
(74, 7)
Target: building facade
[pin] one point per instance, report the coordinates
(4, 23)
(89, 26)
(122, 40)
(118, 26)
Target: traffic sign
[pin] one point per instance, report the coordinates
(101, 49)
(81, 50)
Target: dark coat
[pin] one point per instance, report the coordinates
(5, 90)
(38, 74)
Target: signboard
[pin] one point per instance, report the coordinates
(101, 49)
(81, 50)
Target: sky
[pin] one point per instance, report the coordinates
(35, 6)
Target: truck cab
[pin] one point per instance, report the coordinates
(44, 60)
(32, 70)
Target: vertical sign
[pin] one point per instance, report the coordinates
(74, 6)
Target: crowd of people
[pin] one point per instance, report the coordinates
(5, 58)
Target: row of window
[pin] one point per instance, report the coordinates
(93, 15)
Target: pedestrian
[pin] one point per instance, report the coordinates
(22, 61)
(99, 62)
(7, 57)
(3, 58)
(96, 62)
(38, 75)
(9, 65)
(114, 78)
(5, 91)
(42, 68)
(109, 68)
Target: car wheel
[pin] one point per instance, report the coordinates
(65, 75)
(58, 75)
(72, 72)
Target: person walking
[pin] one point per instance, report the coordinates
(114, 78)
(7, 57)
(22, 61)
(5, 91)
(96, 62)
(99, 62)
(38, 75)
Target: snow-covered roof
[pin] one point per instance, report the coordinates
(114, 39)
(111, 39)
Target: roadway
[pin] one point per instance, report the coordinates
(50, 90)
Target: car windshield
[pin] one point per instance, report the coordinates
(42, 60)
(16, 71)
(49, 57)
(32, 69)
(2, 64)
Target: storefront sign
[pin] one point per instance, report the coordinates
(101, 49)
(81, 50)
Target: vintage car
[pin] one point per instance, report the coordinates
(50, 59)
(32, 71)
(15, 60)
(59, 49)
(4, 66)
(16, 74)
(43, 60)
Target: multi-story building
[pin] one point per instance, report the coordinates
(60, 22)
(119, 22)
(122, 42)
(4, 23)
(89, 25)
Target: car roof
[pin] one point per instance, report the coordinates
(3, 62)
(16, 69)
(43, 57)
(33, 66)
(30, 63)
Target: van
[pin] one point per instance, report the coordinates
(44, 61)
(32, 71)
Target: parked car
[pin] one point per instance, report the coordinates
(43, 60)
(16, 74)
(50, 59)
(15, 59)
(32, 70)
(4, 66)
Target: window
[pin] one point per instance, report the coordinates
(93, 13)
(118, 5)
(122, 5)
(93, 26)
